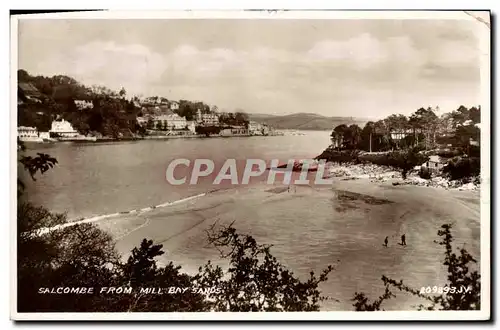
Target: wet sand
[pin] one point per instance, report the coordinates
(311, 227)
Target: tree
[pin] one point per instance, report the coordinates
(338, 136)
(150, 124)
(255, 280)
(396, 124)
(241, 118)
(23, 76)
(122, 92)
(353, 137)
(382, 133)
(426, 121)
(187, 109)
(459, 276)
(367, 136)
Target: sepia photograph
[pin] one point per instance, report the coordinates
(184, 165)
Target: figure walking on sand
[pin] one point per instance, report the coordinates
(386, 241)
(403, 239)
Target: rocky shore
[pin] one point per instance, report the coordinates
(379, 173)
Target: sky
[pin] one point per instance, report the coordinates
(350, 67)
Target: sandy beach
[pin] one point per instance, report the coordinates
(312, 227)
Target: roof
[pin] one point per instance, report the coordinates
(29, 89)
(437, 159)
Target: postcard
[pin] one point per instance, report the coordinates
(208, 165)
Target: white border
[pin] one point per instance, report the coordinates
(484, 314)
(261, 14)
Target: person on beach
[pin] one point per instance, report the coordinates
(386, 241)
(403, 239)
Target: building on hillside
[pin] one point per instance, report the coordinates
(397, 135)
(473, 142)
(44, 135)
(170, 121)
(435, 163)
(234, 131)
(175, 121)
(143, 121)
(191, 125)
(63, 128)
(174, 105)
(207, 119)
(27, 133)
(84, 104)
(255, 128)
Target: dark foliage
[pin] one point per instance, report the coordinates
(424, 173)
(208, 130)
(462, 168)
(82, 255)
(256, 280)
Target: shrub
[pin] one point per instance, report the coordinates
(344, 156)
(462, 168)
(424, 173)
(256, 280)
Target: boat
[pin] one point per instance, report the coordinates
(297, 166)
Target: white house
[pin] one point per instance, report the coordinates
(191, 125)
(400, 134)
(172, 121)
(254, 128)
(142, 121)
(435, 163)
(26, 133)
(83, 104)
(44, 135)
(207, 119)
(174, 105)
(63, 128)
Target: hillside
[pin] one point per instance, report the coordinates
(305, 121)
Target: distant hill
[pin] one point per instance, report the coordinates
(305, 121)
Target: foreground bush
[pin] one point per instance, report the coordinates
(85, 256)
(462, 168)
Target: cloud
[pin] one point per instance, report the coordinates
(326, 74)
(110, 64)
(365, 52)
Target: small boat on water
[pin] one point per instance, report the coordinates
(297, 166)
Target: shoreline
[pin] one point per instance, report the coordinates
(145, 138)
(380, 174)
(385, 177)
(349, 222)
(96, 218)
